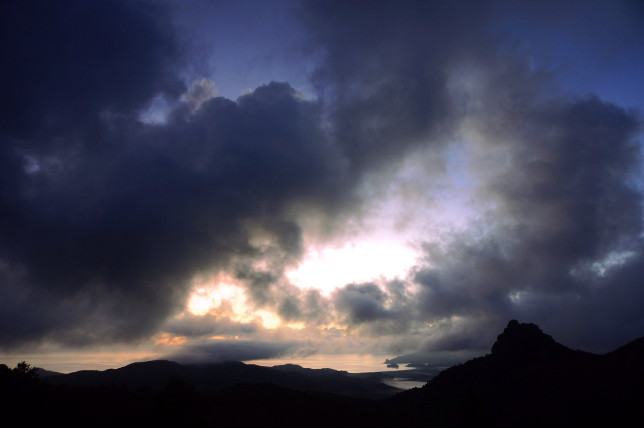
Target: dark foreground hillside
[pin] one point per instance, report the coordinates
(178, 405)
(528, 380)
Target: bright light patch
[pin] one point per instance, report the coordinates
(169, 340)
(414, 205)
(296, 325)
(199, 303)
(220, 337)
(226, 300)
(212, 298)
(330, 268)
(268, 319)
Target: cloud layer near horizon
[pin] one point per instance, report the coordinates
(107, 220)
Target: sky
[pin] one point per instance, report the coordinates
(207, 180)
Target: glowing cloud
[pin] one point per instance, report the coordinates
(328, 268)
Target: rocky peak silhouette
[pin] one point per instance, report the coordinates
(526, 341)
(531, 380)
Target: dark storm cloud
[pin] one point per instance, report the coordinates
(67, 61)
(68, 65)
(385, 71)
(293, 305)
(236, 350)
(123, 233)
(207, 325)
(105, 219)
(361, 303)
(375, 310)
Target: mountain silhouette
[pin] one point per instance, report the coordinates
(531, 380)
(213, 377)
(526, 342)
(527, 380)
(631, 351)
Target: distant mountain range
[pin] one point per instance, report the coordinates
(214, 377)
(528, 380)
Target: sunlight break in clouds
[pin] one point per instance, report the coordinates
(206, 298)
(329, 268)
(222, 299)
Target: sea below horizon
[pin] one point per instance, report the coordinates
(401, 378)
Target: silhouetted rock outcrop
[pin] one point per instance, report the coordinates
(526, 342)
(531, 380)
(632, 350)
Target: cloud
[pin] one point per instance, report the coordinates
(200, 92)
(361, 303)
(69, 61)
(552, 174)
(387, 90)
(106, 220)
(194, 326)
(560, 201)
(131, 227)
(220, 351)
